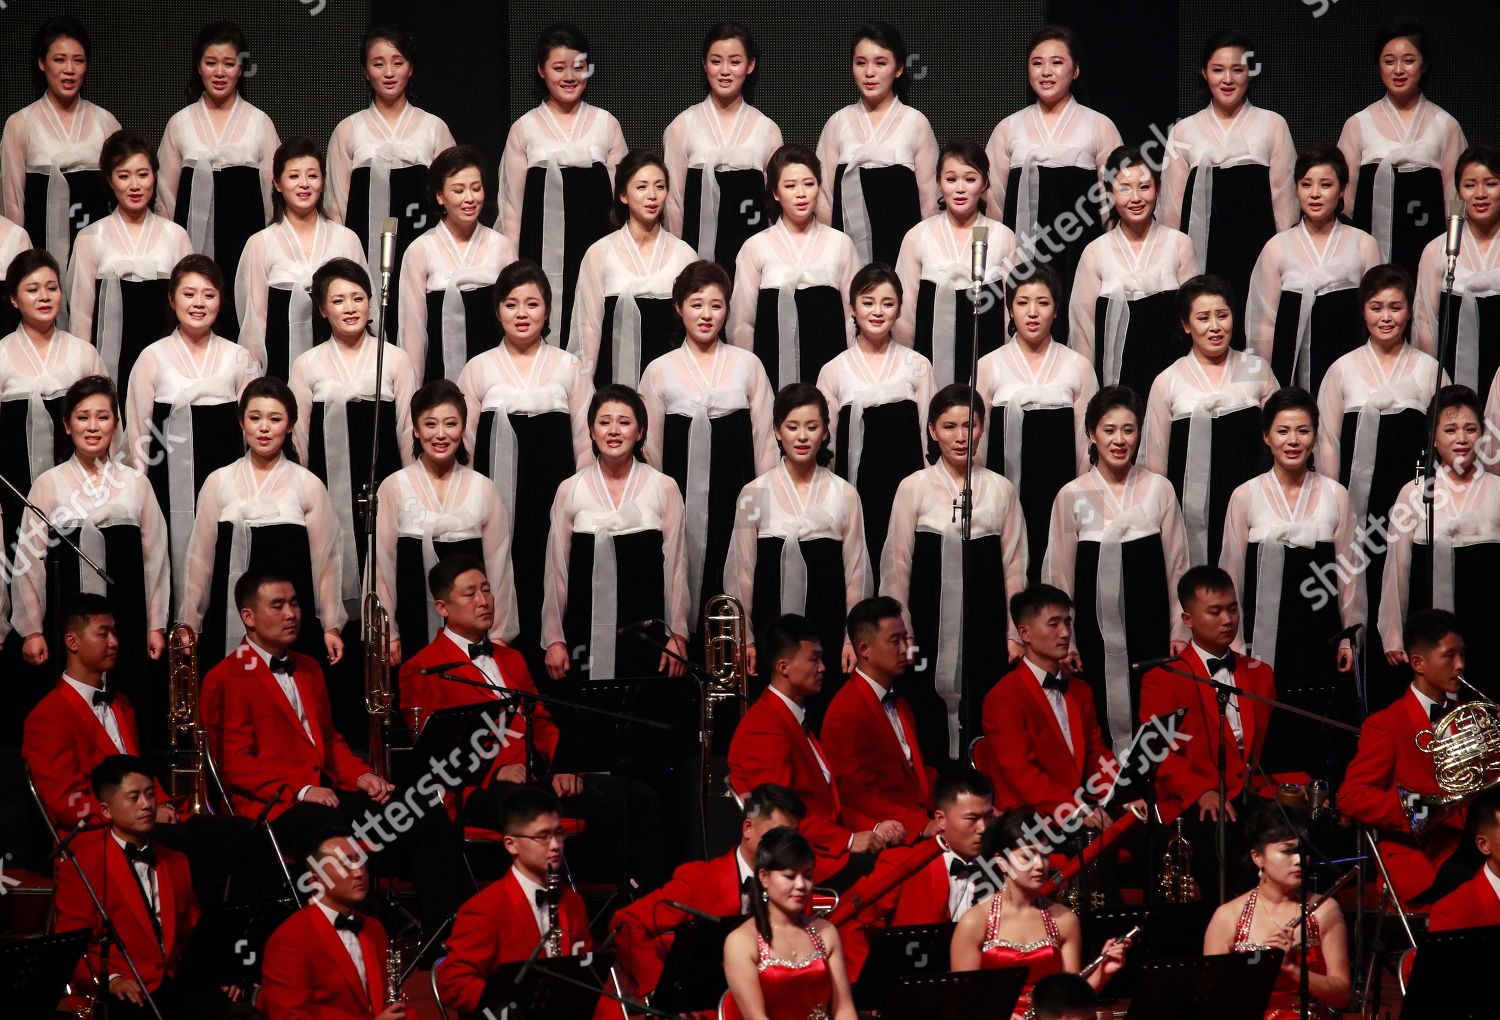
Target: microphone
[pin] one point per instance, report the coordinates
(1145, 664)
(701, 915)
(1347, 632)
(430, 670)
(641, 626)
(979, 249)
(387, 250)
(265, 812)
(82, 826)
(1453, 239)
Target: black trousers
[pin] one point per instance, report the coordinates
(177, 1000)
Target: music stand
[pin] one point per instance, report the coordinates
(974, 993)
(914, 950)
(230, 940)
(692, 979)
(1168, 931)
(34, 971)
(559, 988)
(1233, 986)
(1443, 979)
(453, 729)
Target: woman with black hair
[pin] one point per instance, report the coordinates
(791, 281)
(378, 160)
(526, 404)
(557, 173)
(1288, 538)
(784, 963)
(1228, 175)
(435, 507)
(334, 388)
(265, 513)
(216, 157)
(879, 155)
(274, 284)
(798, 544)
(622, 316)
(716, 152)
(1304, 289)
(1037, 391)
(117, 282)
(1116, 544)
(1269, 917)
(448, 277)
(50, 149)
(1122, 313)
(1204, 413)
(926, 566)
(1401, 150)
(38, 362)
(1046, 160)
(615, 555)
(878, 392)
(936, 270)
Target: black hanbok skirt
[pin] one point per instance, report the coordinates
(661, 333)
(239, 212)
(1060, 189)
(893, 205)
(1475, 568)
(1238, 453)
(821, 334)
(89, 201)
(1049, 461)
(893, 447)
(144, 319)
(640, 594)
(411, 206)
(731, 468)
(1153, 340)
(1335, 330)
(587, 200)
(1489, 340)
(1241, 221)
(217, 441)
(826, 609)
(1419, 211)
(742, 211)
(10, 317)
(991, 331)
(361, 418)
(280, 549)
(15, 458)
(481, 331)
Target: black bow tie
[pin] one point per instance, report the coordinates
(103, 697)
(958, 869)
(146, 854)
(348, 922)
(888, 699)
(1055, 683)
(281, 665)
(1439, 709)
(481, 647)
(1227, 662)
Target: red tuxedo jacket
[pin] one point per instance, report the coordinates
(497, 926)
(769, 746)
(1193, 768)
(1472, 905)
(867, 764)
(645, 927)
(1388, 757)
(257, 739)
(921, 899)
(308, 974)
(1035, 768)
(63, 741)
(115, 884)
(433, 693)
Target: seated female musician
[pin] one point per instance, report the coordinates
(784, 964)
(1238, 927)
(1014, 926)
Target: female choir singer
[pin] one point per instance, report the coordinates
(1015, 927)
(1038, 390)
(798, 544)
(615, 556)
(527, 407)
(448, 277)
(1228, 177)
(878, 392)
(784, 963)
(263, 513)
(1401, 150)
(181, 418)
(216, 157)
(1303, 290)
(711, 403)
(274, 285)
(790, 281)
(1122, 314)
(378, 159)
(117, 282)
(1116, 544)
(38, 362)
(716, 152)
(879, 155)
(1046, 159)
(936, 270)
(558, 171)
(1204, 413)
(622, 317)
(433, 508)
(925, 566)
(50, 149)
(1269, 917)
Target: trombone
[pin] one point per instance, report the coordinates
(724, 659)
(189, 777)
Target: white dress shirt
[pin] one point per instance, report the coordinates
(484, 663)
(746, 872)
(800, 714)
(104, 713)
(348, 938)
(529, 889)
(288, 687)
(960, 890)
(144, 873)
(1056, 699)
(1427, 702)
(1226, 677)
(889, 708)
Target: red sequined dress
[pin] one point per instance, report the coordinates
(1285, 1002)
(800, 990)
(1039, 958)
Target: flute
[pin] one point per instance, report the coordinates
(1333, 891)
(1098, 961)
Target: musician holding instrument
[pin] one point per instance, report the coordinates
(329, 960)
(1476, 903)
(1420, 845)
(1269, 916)
(1014, 926)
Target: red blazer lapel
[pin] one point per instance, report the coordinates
(938, 882)
(125, 720)
(87, 721)
(271, 689)
(121, 875)
(804, 743)
(1073, 698)
(1044, 706)
(374, 969)
(309, 702)
(878, 717)
(333, 947)
(516, 905)
(1420, 720)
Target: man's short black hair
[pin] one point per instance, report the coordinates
(865, 617)
(446, 571)
(82, 608)
(524, 805)
(782, 639)
(247, 588)
(1028, 603)
(1426, 628)
(956, 782)
(769, 798)
(109, 774)
(1204, 576)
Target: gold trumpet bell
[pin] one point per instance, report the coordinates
(1465, 749)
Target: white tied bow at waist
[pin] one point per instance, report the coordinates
(1424, 152)
(1337, 274)
(90, 538)
(1271, 565)
(574, 155)
(948, 279)
(1197, 473)
(1109, 598)
(736, 157)
(1027, 195)
(605, 618)
(1118, 295)
(243, 516)
(873, 395)
(455, 324)
(1466, 349)
(64, 159)
(1037, 397)
(296, 280)
(715, 403)
(852, 192)
(39, 424)
(204, 162)
(1230, 153)
(815, 522)
(1451, 534)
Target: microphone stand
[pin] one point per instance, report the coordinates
(963, 506)
(1429, 454)
(369, 506)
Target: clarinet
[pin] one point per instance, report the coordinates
(393, 975)
(554, 930)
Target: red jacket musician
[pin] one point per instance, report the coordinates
(1476, 903)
